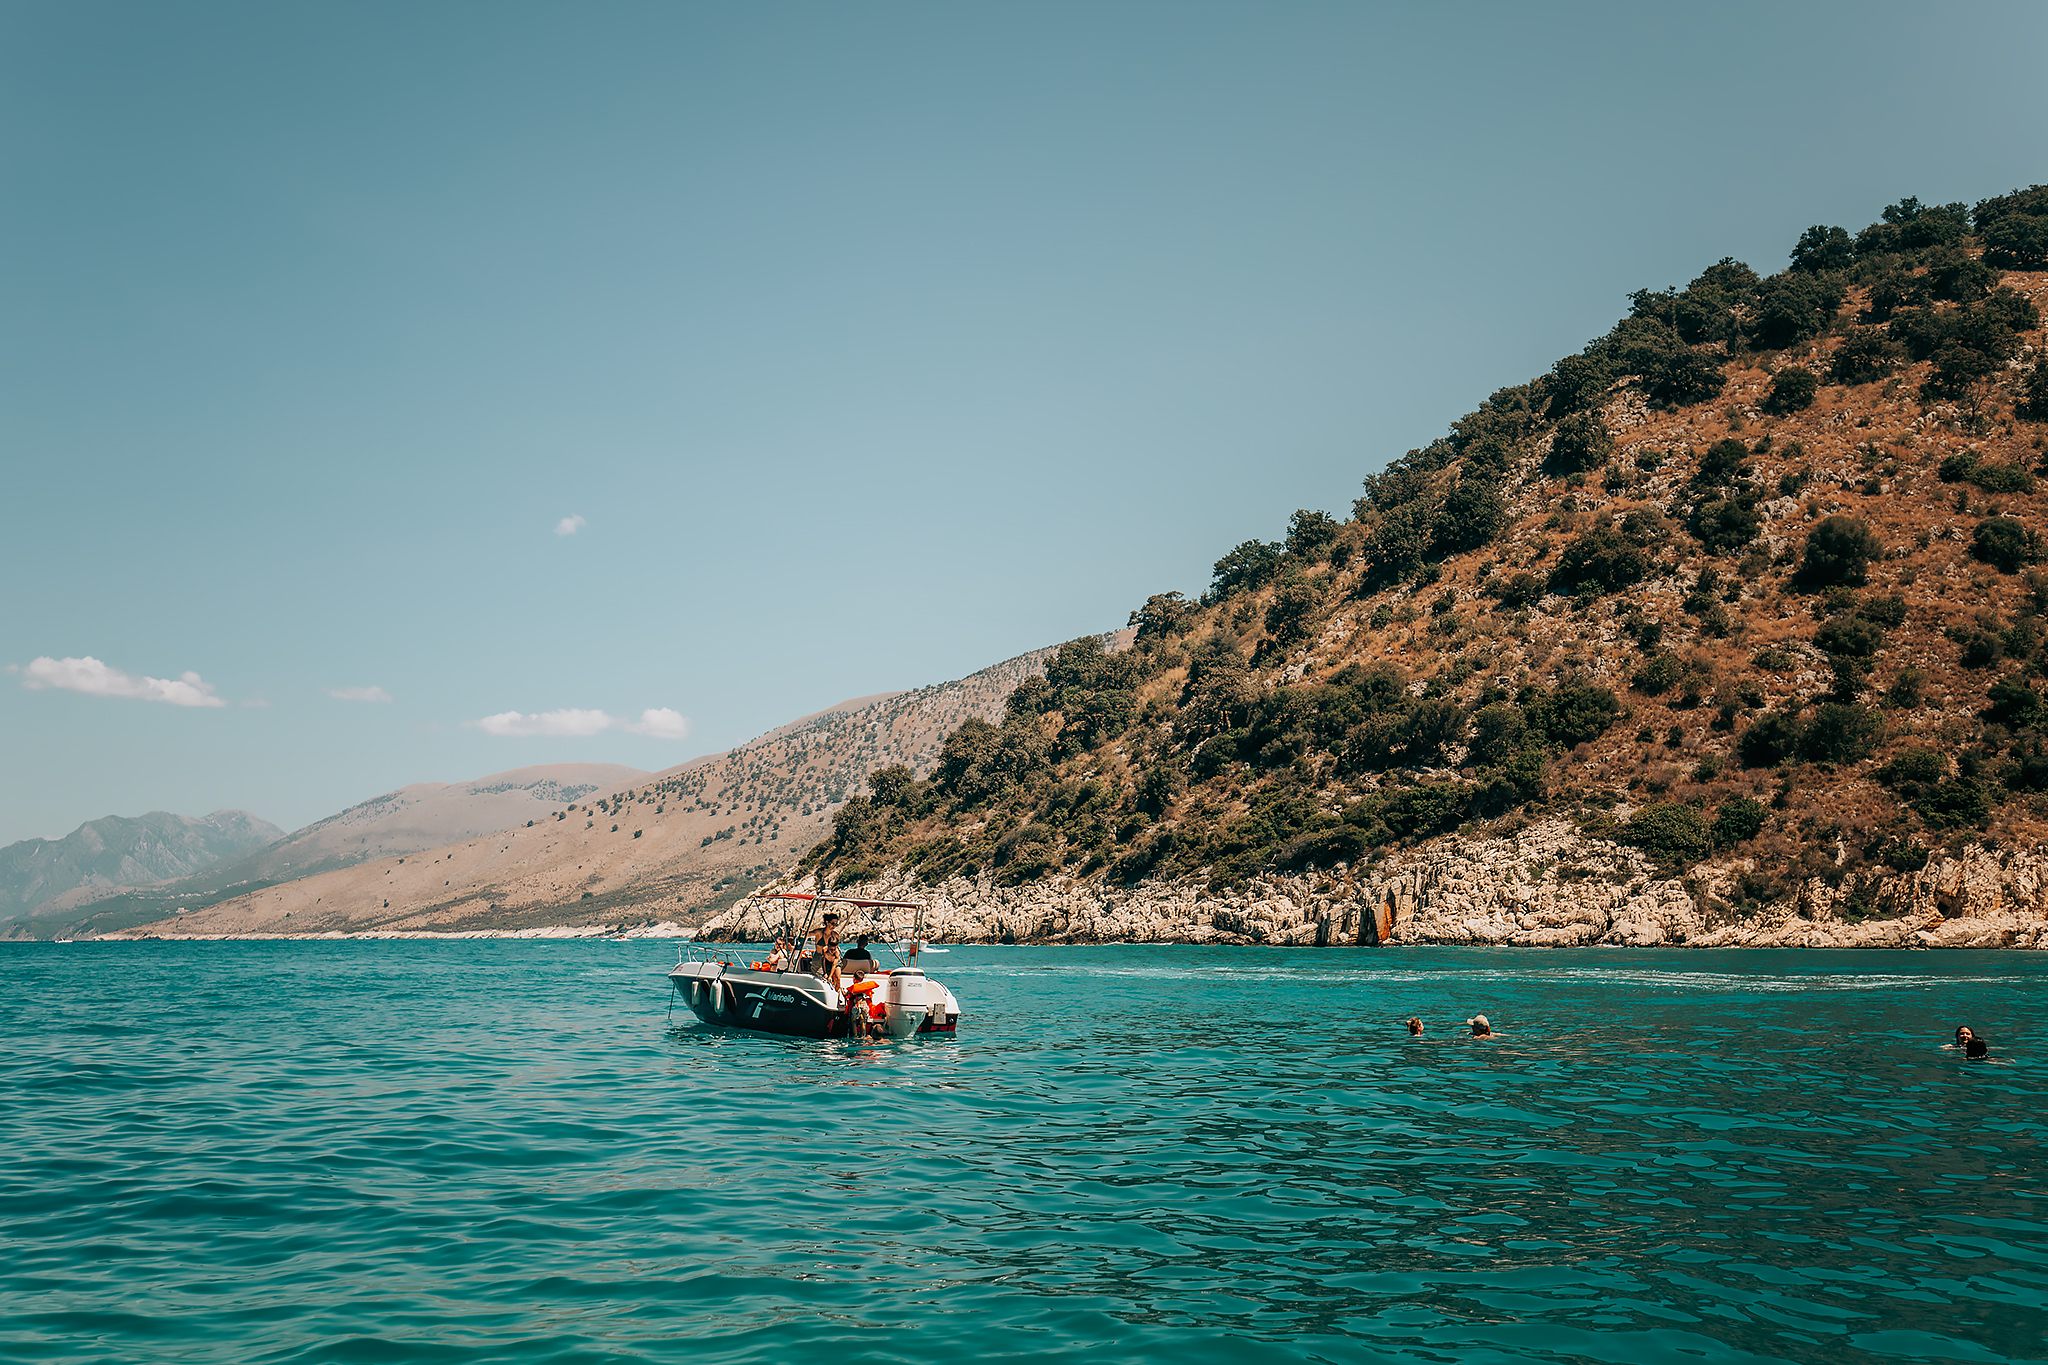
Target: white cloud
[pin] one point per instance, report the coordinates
(659, 723)
(569, 526)
(655, 722)
(359, 693)
(95, 679)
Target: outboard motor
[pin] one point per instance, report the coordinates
(906, 998)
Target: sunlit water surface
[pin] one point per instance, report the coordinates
(475, 1151)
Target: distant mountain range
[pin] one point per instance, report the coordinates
(674, 845)
(104, 855)
(115, 871)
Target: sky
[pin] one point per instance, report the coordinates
(409, 392)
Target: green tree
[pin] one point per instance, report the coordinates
(2014, 229)
(1291, 616)
(1866, 356)
(1471, 516)
(1821, 249)
(1244, 569)
(1738, 821)
(1840, 733)
(1725, 525)
(1793, 307)
(2006, 543)
(1310, 534)
(1574, 714)
(1164, 615)
(1498, 733)
(1669, 832)
(1792, 390)
(1839, 550)
(1602, 559)
(1582, 442)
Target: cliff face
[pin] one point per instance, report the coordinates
(1546, 885)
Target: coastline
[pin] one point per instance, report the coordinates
(1548, 884)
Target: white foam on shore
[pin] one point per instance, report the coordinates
(665, 929)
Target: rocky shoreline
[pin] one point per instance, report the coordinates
(1547, 885)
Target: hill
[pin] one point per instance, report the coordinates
(118, 851)
(420, 816)
(671, 845)
(1734, 612)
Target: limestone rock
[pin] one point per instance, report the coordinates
(1547, 885)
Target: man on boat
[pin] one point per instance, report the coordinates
(860, 959)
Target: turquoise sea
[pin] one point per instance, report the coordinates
(509, 1151)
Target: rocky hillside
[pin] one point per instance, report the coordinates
(673, 845)
(1744, 593)
(117, 851)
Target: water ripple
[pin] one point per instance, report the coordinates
(512, 1151)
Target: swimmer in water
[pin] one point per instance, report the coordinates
(1480, 1028)
(1415, 1028)
(1970, 1043)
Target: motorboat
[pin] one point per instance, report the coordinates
(897, 999)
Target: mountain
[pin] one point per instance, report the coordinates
(118, 851)
(673, 844)
(1738, 605)
(421, 816)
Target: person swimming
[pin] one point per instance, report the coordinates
(1480, 1028)
(1970, 1043)
(1415, 1028)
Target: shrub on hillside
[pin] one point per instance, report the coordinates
(1518, 589)
(1668, 832)
(1722, 463)
(1602, 559)
(1738, 821)
(2014, 229)
(1472, 515)
(1291, 615)
(1498, 734)
(1582, 442)
(2005, 543)
(1840, 733)
(1839, 550)
(1574, 714)
(1770, 740)
(1725, 525)
(1310, 534)
(1792, 390)
(1851, 636)
(1956, 276)
(1868, 355)
(2034, 392)
(1791, 308)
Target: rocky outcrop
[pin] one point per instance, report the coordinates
(1547, 885)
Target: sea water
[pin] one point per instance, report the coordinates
(503, 1150)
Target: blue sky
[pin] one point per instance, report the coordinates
(691, 368)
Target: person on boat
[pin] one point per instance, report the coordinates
(861, 1009)
(1970, 1043)
(1480, 1028)
(778, 960)
(1415, 1028)
(860, 959)
(825, 955)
